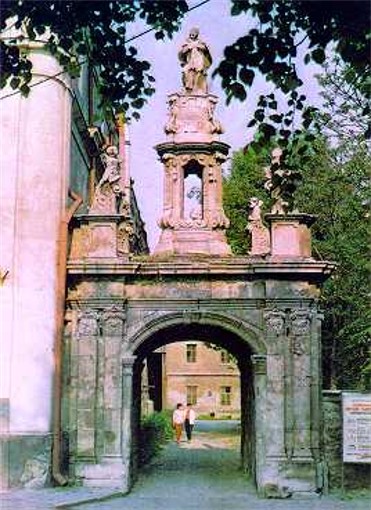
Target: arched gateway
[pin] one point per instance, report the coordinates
(262, 308)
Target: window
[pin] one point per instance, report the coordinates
(191, 353)
(192, 395)
(225, 357)
(225, 395)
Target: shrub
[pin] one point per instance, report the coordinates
(154, 432)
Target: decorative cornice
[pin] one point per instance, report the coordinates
(192, 148)
(248, 268)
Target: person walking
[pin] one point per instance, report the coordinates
(178, 421)
(189, 422)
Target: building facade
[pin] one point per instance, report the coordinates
(52, 157)
(202, 375)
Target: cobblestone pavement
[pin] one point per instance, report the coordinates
(202, 475)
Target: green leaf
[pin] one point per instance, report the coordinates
(14, 83)
(318, 55)
(247, 76)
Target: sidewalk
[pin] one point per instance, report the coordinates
(202, 475)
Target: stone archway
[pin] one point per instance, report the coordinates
(121, 305)
(117, 314)
(242, 339)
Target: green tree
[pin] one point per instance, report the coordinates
(287, 33)
(334, 190)
(245, 180)
(86, 31)
(273, 48)
(345, 113)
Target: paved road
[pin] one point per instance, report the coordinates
(205, 475)
(202, 475)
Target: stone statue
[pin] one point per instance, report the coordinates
(215, 126)
(108, 190)
(260, 239)
(281, 184)
(113, 166)
(172, 123)
(195, 60)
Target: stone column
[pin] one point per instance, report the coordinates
(277, 414)
(300, 321)
(316, 387)
(87, 345)
(127, 420)
(112, 331)
(259, 364)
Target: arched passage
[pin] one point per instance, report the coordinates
(238, 337)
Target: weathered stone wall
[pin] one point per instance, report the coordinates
(24, 460)
(269, 322)
(339, 474)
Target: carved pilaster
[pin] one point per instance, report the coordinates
(300, 330)
(86, 384)
(279, 387)
(127, 419)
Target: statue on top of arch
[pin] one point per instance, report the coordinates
(195, 59)
(108, 192)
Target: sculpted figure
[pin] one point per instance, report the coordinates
(195, 60)
(215, 126)
(108, 190)
(260, 239)
(172, 124)
(113, 163)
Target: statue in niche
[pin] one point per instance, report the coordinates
(195, 194)
(260, 239)
(195, 59)
(281, 184)
(108, 190)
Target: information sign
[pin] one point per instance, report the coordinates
(356, 427)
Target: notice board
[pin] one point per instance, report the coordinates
(356, 427)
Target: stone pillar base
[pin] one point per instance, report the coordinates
(185, 242)
(99, 237)
(108, 473)
(290, 235)
(281, 479)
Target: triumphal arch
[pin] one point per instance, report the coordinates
(123, 304)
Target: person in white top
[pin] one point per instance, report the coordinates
(178, 421)
(189, 422)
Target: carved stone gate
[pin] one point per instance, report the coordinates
(263, 308)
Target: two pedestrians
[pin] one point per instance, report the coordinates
(183, 417)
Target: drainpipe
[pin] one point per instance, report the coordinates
(58, 343)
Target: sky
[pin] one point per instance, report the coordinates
(218, 29)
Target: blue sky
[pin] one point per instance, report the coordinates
(218, 29)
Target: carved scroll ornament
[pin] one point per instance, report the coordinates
(275, 322)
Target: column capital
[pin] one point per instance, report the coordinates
(128, 361)
(259, 362)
